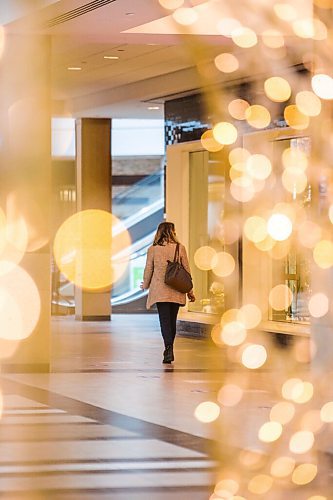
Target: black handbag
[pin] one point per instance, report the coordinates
(176, 275)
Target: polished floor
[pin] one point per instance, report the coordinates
(111, 422)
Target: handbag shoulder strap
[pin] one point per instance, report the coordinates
(176, 256)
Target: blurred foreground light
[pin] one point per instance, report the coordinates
(277, 89)
(310, 28)
(285, 11)
(317, 497)
(282, 412)
(311, 421)
(326, 412)
(223, 264)
(292, 157)
(209, 143)
(171, 4)
(254, 356)
(280, 297)
(318, 305)
(289, 386)
(225, 133)
(323, 254)
(304, 474)
(255, 229)
(227, 25)
(301, 442)
(258, 116)
(226, 63)
(295, 118)
(238, 155)
(230, 395)
(279, 227)
(270, 432)
(20, 305)
(322, 85)
(273, 39)
(237, 109)
(308, 103)
(294, 180)
(242, 189)
(185, 16)
(207, 412)
(244, 37)
(282, 467)
(203, 258)
(233, 333)
(229, 232)
(252, 459)
(259, 166)
(260, 484)
(226, 488)
(250, 315)
(92, 249)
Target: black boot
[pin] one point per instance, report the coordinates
(168, 356)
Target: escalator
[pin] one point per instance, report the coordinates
(140, 209)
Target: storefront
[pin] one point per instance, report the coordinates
(210, 222)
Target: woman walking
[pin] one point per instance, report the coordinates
(166, 298)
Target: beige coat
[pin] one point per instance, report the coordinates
(154, 273)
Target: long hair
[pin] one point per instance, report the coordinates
(165, 234)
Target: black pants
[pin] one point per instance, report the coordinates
(167, 312)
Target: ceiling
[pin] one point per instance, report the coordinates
(150, 66)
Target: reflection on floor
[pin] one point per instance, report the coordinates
(110, 421)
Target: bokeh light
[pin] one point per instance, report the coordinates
(294, 180)
(226, 488)
(186, 16)
(237, 109)
(254, 356)
(260, 484)
(270, 432)
(323, 254)
(279, 226)
(207, 412)
(309, 234)
(273, 39)
(223, 264)
(209, 143)
(295, 118)
(233, 333)
(308, 103)
(326, 412)
(258, 116)
(318, 305)
(259, 166)
(282, 467)
(238, 155)
(292, 157)
(225, 133)
(203, 258)
(250, 315)
(304, 474)
(92, 249)
(171, 4)
(285, 11)
(277, 89)
(244, 37)
(226, 63)
(242, 189)
(311, 421)
(230, 395)
(322, 86)
(227, 25)
(280, 297)
(282, 412)
(301, 442)
(255, 229)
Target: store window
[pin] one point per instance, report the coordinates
(294, 269)
(207, 189)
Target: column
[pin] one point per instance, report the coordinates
(93, 184)
(25, 179)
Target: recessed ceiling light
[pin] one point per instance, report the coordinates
(111, 57)
(153, 107)
(74, 68)
(129, 13)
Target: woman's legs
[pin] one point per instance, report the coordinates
(167, 312)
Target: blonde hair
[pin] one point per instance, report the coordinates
(165, 234)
